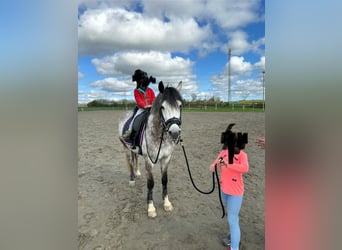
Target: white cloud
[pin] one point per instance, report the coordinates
(258, 45)
(239, 66)
(96, 4)
(242, 86)
(261, 64)
(88, 96)
(247, 88)
(157, 62)
(171, 70)
(112, 85)
(130, 34)
(239, 44)
(163, 66)
(110, 30)
(228, 14)
(232, 14)
(80, 75)
(110, 26)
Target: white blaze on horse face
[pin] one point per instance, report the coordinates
(172, 112)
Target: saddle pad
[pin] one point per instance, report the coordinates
(139, 137)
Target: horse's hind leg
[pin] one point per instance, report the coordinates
(167, 204)
(130, 163)
(151, 210)
(135, 164)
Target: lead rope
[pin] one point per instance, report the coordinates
(202, 192)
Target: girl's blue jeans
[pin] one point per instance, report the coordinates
(233, 205)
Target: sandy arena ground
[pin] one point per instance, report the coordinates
(113, 215)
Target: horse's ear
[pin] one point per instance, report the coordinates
(179, 86)
(161, 87)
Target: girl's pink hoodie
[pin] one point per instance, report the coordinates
(231, 175)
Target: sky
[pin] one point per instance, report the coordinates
(172, 40)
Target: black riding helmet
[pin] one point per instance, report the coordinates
(138, 75)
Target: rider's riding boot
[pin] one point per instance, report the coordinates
(133, 137)
(127, 134)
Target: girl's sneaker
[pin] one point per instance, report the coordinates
(226, 241)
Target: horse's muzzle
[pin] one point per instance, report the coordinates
(174, 132)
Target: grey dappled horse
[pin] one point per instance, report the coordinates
(162, 133)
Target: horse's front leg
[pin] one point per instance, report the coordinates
(151, 210)
(167, 204)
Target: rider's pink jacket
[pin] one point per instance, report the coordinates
(231, 175)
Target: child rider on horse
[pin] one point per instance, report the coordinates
(144, 97)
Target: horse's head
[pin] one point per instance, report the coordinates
(169, 105)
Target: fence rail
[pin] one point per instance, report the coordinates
(234, 107)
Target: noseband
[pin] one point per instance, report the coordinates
(173, 120)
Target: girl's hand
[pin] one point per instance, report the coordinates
(222, 162)
(212, 168)
(260, 142)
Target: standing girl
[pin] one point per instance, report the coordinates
(232, 185)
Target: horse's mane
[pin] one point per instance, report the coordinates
(170, 95)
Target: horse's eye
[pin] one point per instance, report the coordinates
(162, 107)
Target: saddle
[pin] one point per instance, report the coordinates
(138, 128)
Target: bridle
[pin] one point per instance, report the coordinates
(166, 126)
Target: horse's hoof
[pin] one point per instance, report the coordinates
(152, 214)
(131, 183)
(167, 204)
(151, 210)
(168, 208)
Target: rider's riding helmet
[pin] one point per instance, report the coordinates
(138, 75)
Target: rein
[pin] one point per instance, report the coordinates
(148, 153)
(214, 174)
